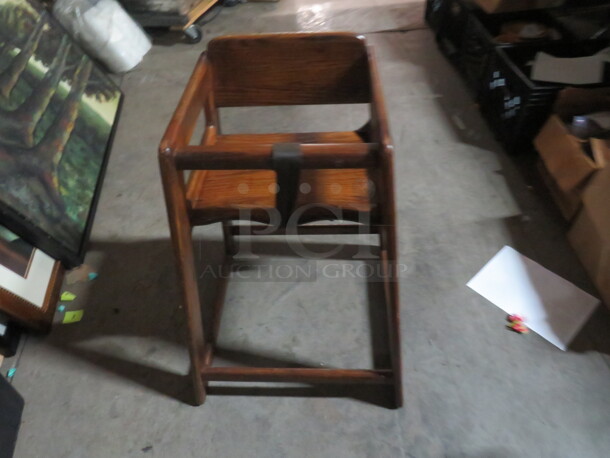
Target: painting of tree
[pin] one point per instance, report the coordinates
(57, 114)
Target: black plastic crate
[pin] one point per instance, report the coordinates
(586, 22)
(434, 13)
(584, 3)
(480, 35)
(515, 106)
(453, 18)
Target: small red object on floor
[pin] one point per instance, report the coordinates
(516, 324)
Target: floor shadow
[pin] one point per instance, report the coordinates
(360, 393)
(369, 394)
(164, 382)
(136, 295)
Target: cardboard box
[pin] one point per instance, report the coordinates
(567, 163)
(567, 202)
(590, 233)
(503, 6)
(564, 155)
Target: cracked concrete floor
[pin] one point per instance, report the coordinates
(113, 384)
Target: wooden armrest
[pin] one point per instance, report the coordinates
(314, 156)
(182, 124)
(380, 130)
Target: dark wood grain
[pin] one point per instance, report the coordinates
(258, 156)
(327, 229)
(350, 172)
(297, 375)
(182, 125)
(289, 69)
(222, 194)
(384, 180)
(181, 232)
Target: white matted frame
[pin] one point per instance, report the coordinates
(30, 297)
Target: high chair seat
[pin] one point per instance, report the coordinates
(219, 195)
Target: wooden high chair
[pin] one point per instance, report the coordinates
(350, 175)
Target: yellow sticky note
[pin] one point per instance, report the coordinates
(73, 317)
(67, 296)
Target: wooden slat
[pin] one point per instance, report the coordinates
(198, 10)
(296, 375)
(290, 137)
(182, 124)
(289, 69)
(305, 230)
(258, 156)
(223, 194)
(250, 189)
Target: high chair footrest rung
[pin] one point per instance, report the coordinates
(296, 375)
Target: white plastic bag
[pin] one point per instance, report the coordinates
(105, 30)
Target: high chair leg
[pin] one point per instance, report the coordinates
(181, 231)
(390, 266)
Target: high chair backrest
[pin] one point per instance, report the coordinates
(289, 69)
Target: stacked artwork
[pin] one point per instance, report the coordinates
(57, 114)
(58, 111)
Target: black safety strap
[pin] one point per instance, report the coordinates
(286, 159)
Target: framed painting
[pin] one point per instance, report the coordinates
(58, 112)
(29, 282)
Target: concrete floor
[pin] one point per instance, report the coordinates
(113, 385)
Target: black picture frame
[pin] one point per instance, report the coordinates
(64, 236)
